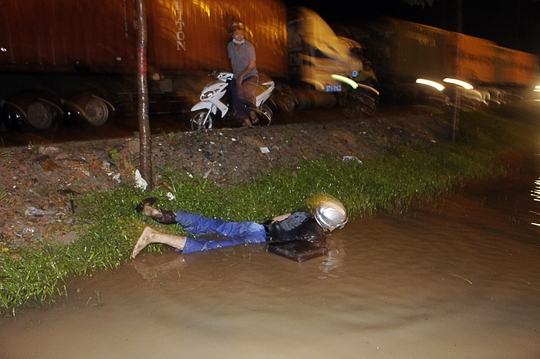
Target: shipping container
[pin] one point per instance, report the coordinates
(67, 36)
(515, 67)
(79, 57)
(470, 59)
(402, 51)
(101, 37)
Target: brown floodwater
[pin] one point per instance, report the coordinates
(458, 278)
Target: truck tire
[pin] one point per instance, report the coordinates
(40, 115)
(97, 112)
(286, 103)
(34, 108)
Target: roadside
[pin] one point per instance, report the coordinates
(41, 184)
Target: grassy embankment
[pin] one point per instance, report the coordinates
(390, 183)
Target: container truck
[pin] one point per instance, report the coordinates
(77, 59)
(403, 51)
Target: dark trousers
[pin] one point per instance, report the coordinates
(243, 96)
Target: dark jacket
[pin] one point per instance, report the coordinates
(298, 237)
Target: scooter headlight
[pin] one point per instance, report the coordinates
(207, 94)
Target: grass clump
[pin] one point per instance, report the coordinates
(35, 277)
(391, 182)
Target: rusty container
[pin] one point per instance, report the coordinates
(69, 36)
(189, 35)
(470, 58)
(419, 50)
(516, 67)
(407, 50)
(404, 51)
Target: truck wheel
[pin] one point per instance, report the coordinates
(201, 120)
(40, 115)
(352, 109)
(97, 112)
(369, 108)
(287, 104)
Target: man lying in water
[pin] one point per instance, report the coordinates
(299, 235)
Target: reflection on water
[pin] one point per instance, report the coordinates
(334, 259)
(459, 278)
(536, 195)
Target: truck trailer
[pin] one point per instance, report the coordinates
(77, 59)
(403, 51)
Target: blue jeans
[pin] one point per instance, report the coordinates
(233, 233)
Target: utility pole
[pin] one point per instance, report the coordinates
(455, 121)
(144, 122)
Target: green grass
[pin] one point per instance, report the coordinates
(3, 193)
(391, 182)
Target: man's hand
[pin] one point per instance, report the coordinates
(280, 217)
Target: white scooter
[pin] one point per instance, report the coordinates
(213, 99)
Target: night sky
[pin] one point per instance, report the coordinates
(510, 23)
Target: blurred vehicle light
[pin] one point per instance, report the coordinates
(463, 84)
(346, 80)
(433, 84)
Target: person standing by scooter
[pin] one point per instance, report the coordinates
(246, 79)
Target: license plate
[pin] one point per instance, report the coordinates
(336, 88)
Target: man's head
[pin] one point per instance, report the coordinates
(331, 214)
(237, 31)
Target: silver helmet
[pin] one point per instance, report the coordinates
(331, 214)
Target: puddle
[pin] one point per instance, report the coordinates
(459, 278)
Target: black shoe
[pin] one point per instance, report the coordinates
(145, 202)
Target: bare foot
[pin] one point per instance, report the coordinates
(144, 240)
(150, 236)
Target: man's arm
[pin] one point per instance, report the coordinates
(252, 64)
(280, 217)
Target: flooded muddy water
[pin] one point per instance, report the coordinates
(459, 278)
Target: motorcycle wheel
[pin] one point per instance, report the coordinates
(265, 115)
(201, 120)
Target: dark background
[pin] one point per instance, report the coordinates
(510, 23)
